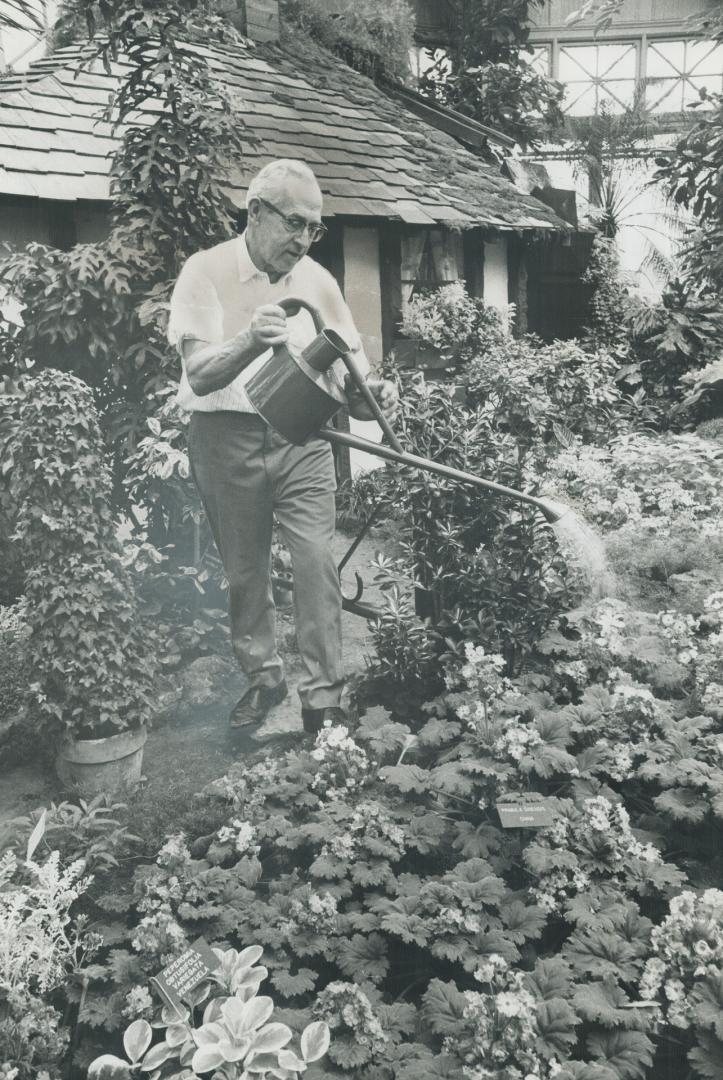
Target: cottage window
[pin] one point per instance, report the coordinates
(430, 258)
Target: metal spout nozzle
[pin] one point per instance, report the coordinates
(551, 510)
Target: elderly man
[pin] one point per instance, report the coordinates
(225, 319)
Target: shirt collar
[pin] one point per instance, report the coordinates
(247, 268)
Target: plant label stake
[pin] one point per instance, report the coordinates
(184, 974)
(527, 814)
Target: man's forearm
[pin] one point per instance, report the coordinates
(213, 367)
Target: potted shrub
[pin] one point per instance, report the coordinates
(88, 650)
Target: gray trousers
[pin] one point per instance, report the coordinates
(246, 473)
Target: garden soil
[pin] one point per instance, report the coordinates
(190, 743)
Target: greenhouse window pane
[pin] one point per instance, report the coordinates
(666, 57)
(704, 57)
(713, 84)
(577, 61)
(665, 95)
(581, 100)
(622, 90)
(616, 61)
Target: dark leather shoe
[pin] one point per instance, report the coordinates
(315, 719)
(254, 705)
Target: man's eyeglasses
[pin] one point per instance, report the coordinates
(296, 225)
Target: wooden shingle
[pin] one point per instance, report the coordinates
(373, 157)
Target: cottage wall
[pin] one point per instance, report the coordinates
(496, 275)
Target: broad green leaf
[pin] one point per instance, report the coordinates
(207, 1058)
(137, 1039)
(36, 836)
(315, 1041)
(270, 1038)
(156, 1056)
(109, 1067)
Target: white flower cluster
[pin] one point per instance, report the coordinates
(159, 935)
(636, 707)
(571, 832)
(344, 1005)
(482, 673)
(518, 739)
(456, 920)
(242, 835)
(610, 626)
(174, 852)
(139, 1004)
(688, 946)
(13, 620)
(343, 765)
(501, 1028)
(618, 762)
(679, 629)
(709, 664)
(315, 912)
(248, 787)
(370, 824)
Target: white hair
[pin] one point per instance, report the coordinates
(269, 181)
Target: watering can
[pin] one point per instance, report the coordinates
(295, 394)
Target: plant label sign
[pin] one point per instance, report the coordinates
(183, 974)
(525, 814)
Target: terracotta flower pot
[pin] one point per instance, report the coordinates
(92, 766)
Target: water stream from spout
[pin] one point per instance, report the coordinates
(585, 548)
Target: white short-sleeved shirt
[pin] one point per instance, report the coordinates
(215, 296)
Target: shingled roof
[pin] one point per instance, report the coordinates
(373, 157)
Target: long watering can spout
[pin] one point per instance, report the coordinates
(550, 510)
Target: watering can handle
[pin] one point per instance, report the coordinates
(292, 305)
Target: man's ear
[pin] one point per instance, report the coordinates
(253, 209)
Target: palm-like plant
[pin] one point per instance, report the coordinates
(22, 15)
(612, 151)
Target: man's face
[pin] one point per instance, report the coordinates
(274, 244)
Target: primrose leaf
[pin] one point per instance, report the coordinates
(444, 1007)
(406, 777)
(628, 1053)
(707, 1056)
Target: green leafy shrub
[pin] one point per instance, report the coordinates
(531, 392)
(483, 72)
(87, 831)
(373, 39)
(672, 341)
(496, 571)
(88, 650)
(178, 603)
(456, 324)
(17, 735)
(99, 310)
